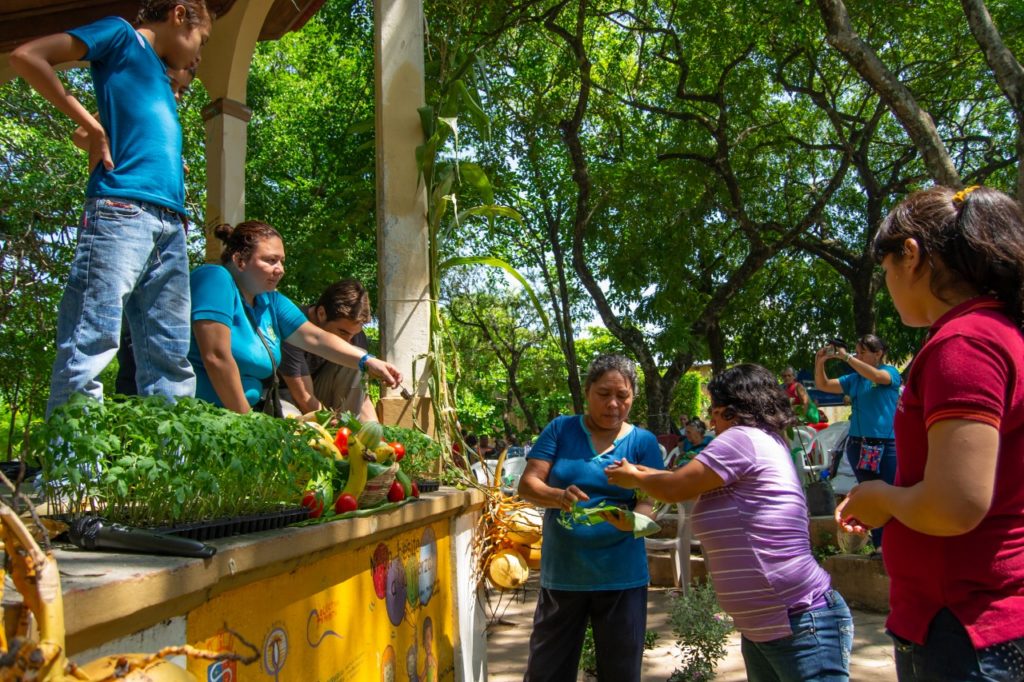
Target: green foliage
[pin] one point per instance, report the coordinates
(691, 398)
(310, 169)
(588, 657)
(702, 633)
(822, 552)
(422, 453)
(147, 462)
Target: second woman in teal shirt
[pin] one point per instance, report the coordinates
(231, 301)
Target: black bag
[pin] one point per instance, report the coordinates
(821, 499)
(270, 399)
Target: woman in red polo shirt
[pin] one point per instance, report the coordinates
(954, 262)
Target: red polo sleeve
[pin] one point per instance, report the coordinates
(968, 378)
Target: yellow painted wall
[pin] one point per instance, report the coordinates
(384, 613)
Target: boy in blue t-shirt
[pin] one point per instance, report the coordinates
(131, 257)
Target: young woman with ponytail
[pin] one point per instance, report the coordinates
(954, 262)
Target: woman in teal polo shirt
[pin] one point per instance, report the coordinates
(236, 303)
(874, 391)
(596, 574)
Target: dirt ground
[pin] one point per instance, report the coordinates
(511, 616)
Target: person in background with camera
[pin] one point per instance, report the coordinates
(873, 389)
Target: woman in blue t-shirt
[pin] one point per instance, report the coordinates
(590, 573)
(874, 390)
(239, 321)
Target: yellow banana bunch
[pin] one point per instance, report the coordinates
(357, 471)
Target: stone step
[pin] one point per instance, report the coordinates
(861, 580)
(662, 568)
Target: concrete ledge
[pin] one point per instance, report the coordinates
(861, 580)
(110, 595)
(823, 531)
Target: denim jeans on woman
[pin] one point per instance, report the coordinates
(819, 648)
(130, 259)
(948, 655)
(886, 470)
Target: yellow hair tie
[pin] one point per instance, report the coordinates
(959, 197)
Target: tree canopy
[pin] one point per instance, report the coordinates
(681, 182)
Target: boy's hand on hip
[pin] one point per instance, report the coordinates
(99, 148)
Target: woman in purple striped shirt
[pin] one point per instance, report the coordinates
(752, 522)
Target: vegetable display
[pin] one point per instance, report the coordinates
(146, 462)
(366, 475)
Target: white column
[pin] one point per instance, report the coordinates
(403, 275)
(227, 122)
(224, 71)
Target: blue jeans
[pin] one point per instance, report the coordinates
(886, 470)
(818, 649)
(948, 654)
(130, 260)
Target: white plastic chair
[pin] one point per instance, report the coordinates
(828, 440)
(679, 546)
(801, 447)
(482, 475)
(826, 443)
(511, 471)
(803, 438)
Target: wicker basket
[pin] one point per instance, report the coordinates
(376, 490)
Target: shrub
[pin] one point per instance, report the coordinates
(702, 631)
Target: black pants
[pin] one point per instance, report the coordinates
(619, 620)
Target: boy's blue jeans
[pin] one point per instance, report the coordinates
(130, 259)
(819, 648)
(949, 655)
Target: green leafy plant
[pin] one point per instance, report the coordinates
(702, 633)
(148, 462)
(421, 451)
(588, 657)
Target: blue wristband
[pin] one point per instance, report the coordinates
(362, 361)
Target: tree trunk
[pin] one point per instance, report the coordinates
(506, 421)
(1007, 70)
(514, 390)
(900, 100)
(572, 364)
(657, 403)
(716, 345)
(862, 286)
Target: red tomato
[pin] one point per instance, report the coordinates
(415, 492)
(314, 503)
(341, 440)
(345, 503)
(399, 450)
(396, 493)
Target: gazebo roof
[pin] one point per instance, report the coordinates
(22, 20)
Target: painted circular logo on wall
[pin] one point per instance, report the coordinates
(428, 565)
(396, 591)
(275, 651)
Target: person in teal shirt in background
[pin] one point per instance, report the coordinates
(874, 391)
(236, 303)
(597, 573)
